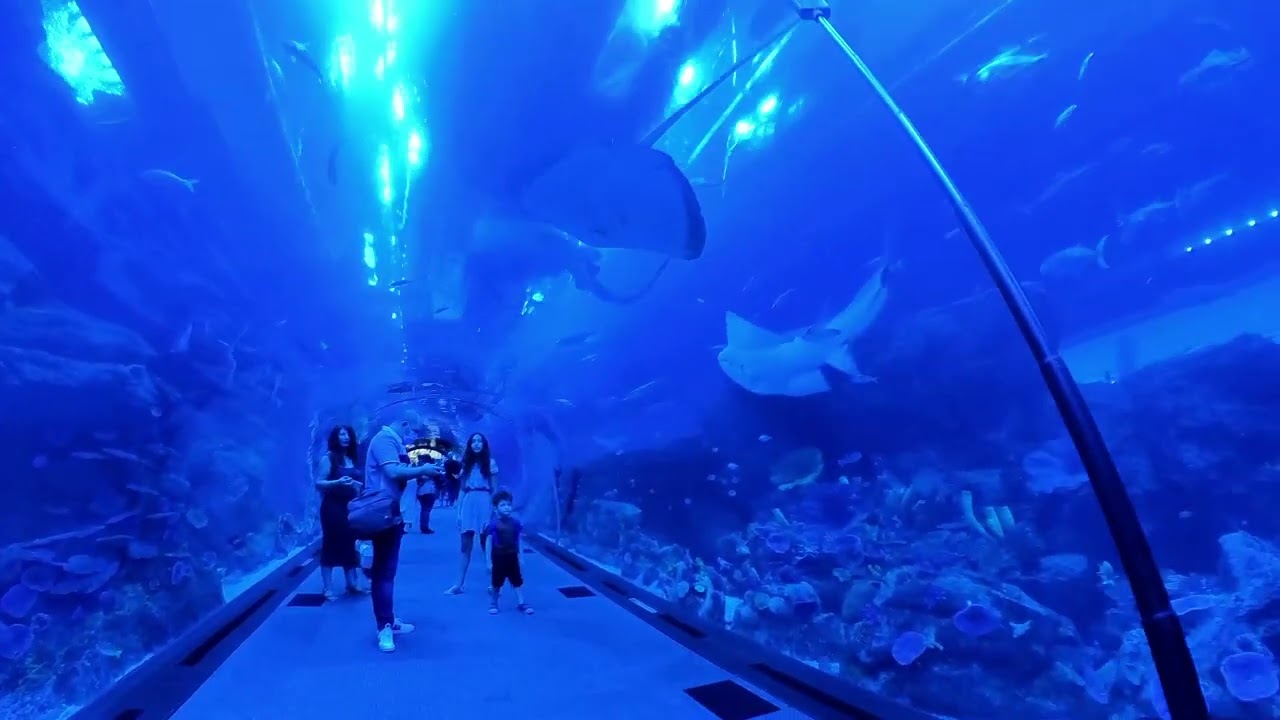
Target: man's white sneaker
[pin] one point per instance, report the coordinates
(386, 639)
(402, 628)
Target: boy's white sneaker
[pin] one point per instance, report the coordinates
(386, 639)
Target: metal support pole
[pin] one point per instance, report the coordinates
(1168, 642)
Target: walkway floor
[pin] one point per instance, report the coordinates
(581, 657)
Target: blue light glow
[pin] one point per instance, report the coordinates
(73, 51)
(373, 65)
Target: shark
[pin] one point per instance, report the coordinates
(798, 363)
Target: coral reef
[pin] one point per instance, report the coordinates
(144, 478)
(976, 580)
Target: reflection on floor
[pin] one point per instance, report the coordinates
(578, 657)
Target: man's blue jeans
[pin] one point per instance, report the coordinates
(382, 574)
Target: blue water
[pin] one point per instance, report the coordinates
(215, 246)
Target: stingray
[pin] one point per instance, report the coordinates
(610, 195)
(543, 250)
(630, 195)
(801, 362)
(622, 196)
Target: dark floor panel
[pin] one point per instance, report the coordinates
(728, 700)
(576, 591)
(129, 715)
(307, 600)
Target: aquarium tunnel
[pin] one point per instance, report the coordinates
(863, 359)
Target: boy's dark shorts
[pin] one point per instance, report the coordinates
(507, 567)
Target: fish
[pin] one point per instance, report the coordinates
(399, 283)
(1072, 261)
(1006, 63)
(1184, 199)
(182, 343)
(277, 72)
(107, 122)
(160, 176)
(851, 459)
(577, 339)
(1146, 212)
(121, 454)
(1064, 116)
(1061, 180)
(607, 194)
(1191, 195)
(792, 363)
(640, 390)
(1215, 62)
(301, 54)
(1084, 65)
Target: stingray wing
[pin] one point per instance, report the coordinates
(620, 196)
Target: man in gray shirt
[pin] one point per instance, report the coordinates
(387, 468)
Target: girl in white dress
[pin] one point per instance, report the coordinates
(475, 506)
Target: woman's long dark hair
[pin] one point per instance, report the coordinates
(337, 449)
(470, 458)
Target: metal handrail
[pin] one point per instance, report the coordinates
(1173, 661)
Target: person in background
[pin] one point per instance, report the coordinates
(409, 499)
(426, 501)
(338, 480)
(387, 468)
(439, 482)
(503, 559)
(452, 479)
(479, 472)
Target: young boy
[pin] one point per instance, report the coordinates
(503, 557)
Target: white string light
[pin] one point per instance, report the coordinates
(1252, 222)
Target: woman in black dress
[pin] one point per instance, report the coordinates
(339, 480)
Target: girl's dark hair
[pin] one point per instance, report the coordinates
(471, 458)
(500, 496)
(337, 449)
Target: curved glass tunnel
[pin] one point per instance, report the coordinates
(227, 230)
